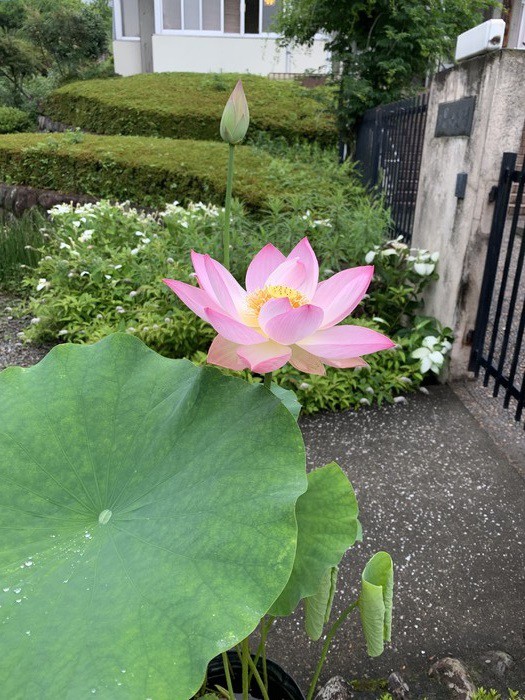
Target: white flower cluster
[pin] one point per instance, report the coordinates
(422, 262)
(193, 210)
(432, 354)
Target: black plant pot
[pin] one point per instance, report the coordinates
(281, 686)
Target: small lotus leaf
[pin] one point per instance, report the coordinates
(328, 526)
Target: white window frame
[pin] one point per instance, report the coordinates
(119, 23)
(160, 29)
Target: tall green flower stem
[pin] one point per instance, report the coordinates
(268, 380)
(245, 648)
(326, 646)
(227, 210)
(226, 664)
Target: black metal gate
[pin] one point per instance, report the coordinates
(498, 346)
(388, 149)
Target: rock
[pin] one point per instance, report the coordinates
(397, 686)
(451, 673)
(499, 662)
(336, 689)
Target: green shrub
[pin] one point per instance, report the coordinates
(189, 106)
(101, 271)
(151, 172)
(13, 119)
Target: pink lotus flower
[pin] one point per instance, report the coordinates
(284, 315)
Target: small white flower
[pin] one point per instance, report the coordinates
(184, 224)
(369, 257)
(117, 267)
(429, 341)
(434, 256)
(369, 390)
(99, 316)
(76, 224)
(35, 321)
(405, 380)
(108, 277)
(304, 386)
(86, 236)
(423, 269)
(364, 402)
(70, 274)
(63, 331)
(135, 251)
(130, 329)
(138, 233)
(42, 284)
(388, 252)
(133, 294)
(170, 261)
(64, 245)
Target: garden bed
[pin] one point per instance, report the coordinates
(189, 106)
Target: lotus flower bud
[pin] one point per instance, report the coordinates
(236, 117)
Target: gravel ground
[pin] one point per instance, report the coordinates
(12, 351)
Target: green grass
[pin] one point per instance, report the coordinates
(152, 171)
(19, 239)
(189, 106)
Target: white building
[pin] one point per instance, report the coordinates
(206, 35)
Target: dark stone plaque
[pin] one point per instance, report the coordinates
(455, 118)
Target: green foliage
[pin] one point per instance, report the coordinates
(138, 526)
(385, 48)
(18, 62)
(44, 42)
(12, 119)
(480, 694)
(151, 172)
(190, 105)
(327, 526)
(19, 240)
(71, 35)
(101, 269)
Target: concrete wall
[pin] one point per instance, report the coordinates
(233, 54)
(127, 57)
(459, 229)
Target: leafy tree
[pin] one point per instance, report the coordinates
(18, 61)
(384, 47)
(71, 34)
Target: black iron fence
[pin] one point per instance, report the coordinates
(498, 346)
(388, 149)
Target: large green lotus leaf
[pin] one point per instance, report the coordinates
(147, 518)
(328, 526)
(375, 602)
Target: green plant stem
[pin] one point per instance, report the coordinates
(333, 629)
(227, 210)
(226, 664)
(266, 624)
(245, 646)
(262, 686)
(268, 380)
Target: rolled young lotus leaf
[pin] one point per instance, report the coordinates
(147, 512)
(375, 602)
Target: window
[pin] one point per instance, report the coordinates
(249, 17)
(130, 18)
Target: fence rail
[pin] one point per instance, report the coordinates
(388, 149)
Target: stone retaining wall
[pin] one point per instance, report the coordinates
(16, 199)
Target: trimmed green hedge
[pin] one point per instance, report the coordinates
(189, 106)
(153, 171)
